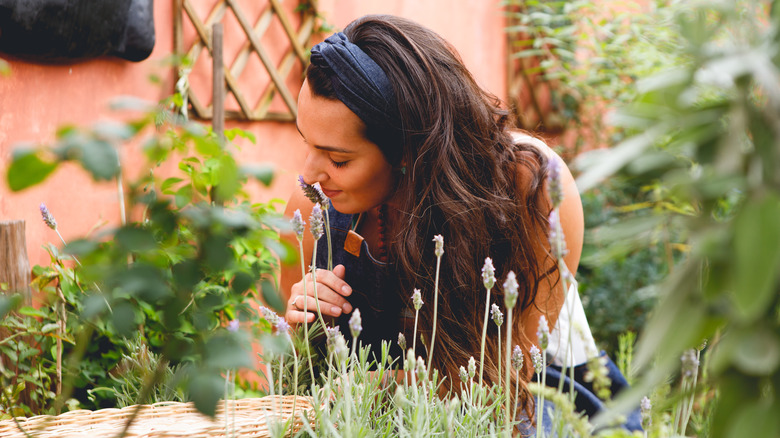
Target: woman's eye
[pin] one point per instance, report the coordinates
(338, 164)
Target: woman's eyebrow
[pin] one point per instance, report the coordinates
(325, 148)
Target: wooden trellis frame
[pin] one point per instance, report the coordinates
(254, 33)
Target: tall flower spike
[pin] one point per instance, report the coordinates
(47, 217)
(536, 359)
(472, 367)
(488, 274)
(402, 341)
(646, 410)
(355, 324)
(464, 376)
(557, 242)
(269, 315)
(517, 358)
(554, 187)
(510, 290)
(496, 315)
(316, 222)
(690, 364)
(282, 327)
(439, 239)
(298, 224)
(313, 192)
(417, 299)
(543, 333)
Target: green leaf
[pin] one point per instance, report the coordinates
(241, 282)
(227, 351)
(135, 239)
(123, 319)
(758, 352)
(9, 303)
(100, 159)
(757, 419)
(205, 390)
(168, 183)
(262, 172)
(757, 252)
(32, 311)
(272, 297)
(28, 169)
(228, 178)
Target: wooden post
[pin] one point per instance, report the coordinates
(218, 90)
(14, 264)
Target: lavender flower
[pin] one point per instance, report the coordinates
(339, 347)
(298, 224)
(488, 274)
(536, 359)
(402, 341)
(232, 326)
(517, 358)
(496, 315)
(690, 363)
(543, 333)
(464, 376)
(47, 217)
(645, 408)
(282, 327)
(420, 368)
(439, 239)
(316, 222)
(314, 192)
(557, 243)
(331, 333)
(417, 299)
(472, 367)
(269, 315)
(510, 290)
(554, 187)
(355, 324)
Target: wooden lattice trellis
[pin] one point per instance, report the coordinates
(297, 53)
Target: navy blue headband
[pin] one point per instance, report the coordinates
(364, 88)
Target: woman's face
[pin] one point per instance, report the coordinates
(352, 171)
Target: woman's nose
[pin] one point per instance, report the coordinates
(313, 170)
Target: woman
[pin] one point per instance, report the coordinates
(406, 145)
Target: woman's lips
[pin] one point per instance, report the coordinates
(331, 193)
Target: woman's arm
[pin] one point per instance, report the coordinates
(550, 293)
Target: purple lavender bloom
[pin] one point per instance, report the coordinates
(47, 217)
(316, 222)
(232, 326)
(439, 239)
(488, 274)
(314, 192)
(298, 224)
(517, 358)
(355, 324)
(417, 299)
(557, 242)
(282, 327)
(690, 363)
(496, 315)
(402, 341)
(510, 290)
(536, 359)
(269, 315)
(554, 187)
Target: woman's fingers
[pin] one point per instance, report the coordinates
(330, 292)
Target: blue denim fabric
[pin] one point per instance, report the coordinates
(373, 291)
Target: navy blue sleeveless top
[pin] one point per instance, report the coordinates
(374, 288)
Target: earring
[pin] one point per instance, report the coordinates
(403, 170)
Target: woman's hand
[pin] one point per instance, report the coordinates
(331, 290)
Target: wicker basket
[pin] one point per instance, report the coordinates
(246, 418)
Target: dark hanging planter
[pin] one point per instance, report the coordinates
(67, 30)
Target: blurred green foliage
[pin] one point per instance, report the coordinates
(195, 255)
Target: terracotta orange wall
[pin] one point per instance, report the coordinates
(37, 99)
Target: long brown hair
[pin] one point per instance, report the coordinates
(461, 182)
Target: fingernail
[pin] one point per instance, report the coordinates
(346, 289)
(347, 307)
(335, 310)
